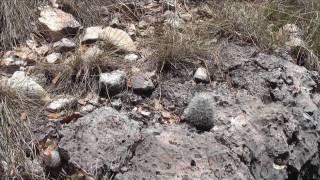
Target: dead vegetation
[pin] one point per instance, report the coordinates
(17, 147)
(259, 22)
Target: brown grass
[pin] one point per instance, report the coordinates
(17, 146)
(259, 23)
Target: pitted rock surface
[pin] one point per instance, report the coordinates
(102, 140)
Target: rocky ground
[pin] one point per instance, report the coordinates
(118, 113)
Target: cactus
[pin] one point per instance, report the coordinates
(199, 112)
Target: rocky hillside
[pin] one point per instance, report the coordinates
(160, 90)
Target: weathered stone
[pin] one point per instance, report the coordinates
(92, 34)
(201, 75)
(56, 24)
(174, 152)
(62, 102)
(25, 85)
(142, 84)
(113, 82)
(102, 140)
(131, 57)
(53, 58)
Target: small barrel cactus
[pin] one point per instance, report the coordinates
(199, 112)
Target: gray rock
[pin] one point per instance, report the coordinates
(174, 152)
(113, 82)
(201, 75)
(102, 140)
(200, 111)
(141, 83)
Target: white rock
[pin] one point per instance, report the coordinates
(118, 38)
(61, 103)
(53, 58)
(87, 109)
(92, 34)
(13, 60)
(131, 57)
(113, 82)
(201, 75)
(291, 30)
(64, 45)
(56, 24)
(132, 31)
(25, 85)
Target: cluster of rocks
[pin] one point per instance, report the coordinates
(263, 124)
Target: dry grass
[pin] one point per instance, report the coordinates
(173, 49)
(259, 23)
(15, 18)
(17, 146)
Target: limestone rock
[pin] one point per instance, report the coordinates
(56, 24)
(25, 85)
(131, 57)
(92, 34)
(61, 103)
(201, 75)
(53, 58)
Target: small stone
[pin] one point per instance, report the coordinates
(64, 45)
(53, 58)
(113, 82)
(87, 109)
(56, 24)
(61, 103)
(13, 61)
(142, 84)
(131, 57)
(92, 34)
(201, 75)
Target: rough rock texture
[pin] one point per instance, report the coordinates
(56, 24)
(61, 103)
(102, 140)
(25, 85)
(113, 82)
(92, 34)
(142, 84)
(176, 153)
(201, 75)
(64, 45)
(266, 125)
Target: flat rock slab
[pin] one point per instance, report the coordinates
(176, 153)
(101, 141)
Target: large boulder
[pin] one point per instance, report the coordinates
(101, 141)
(176, 153)
(56, 24)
